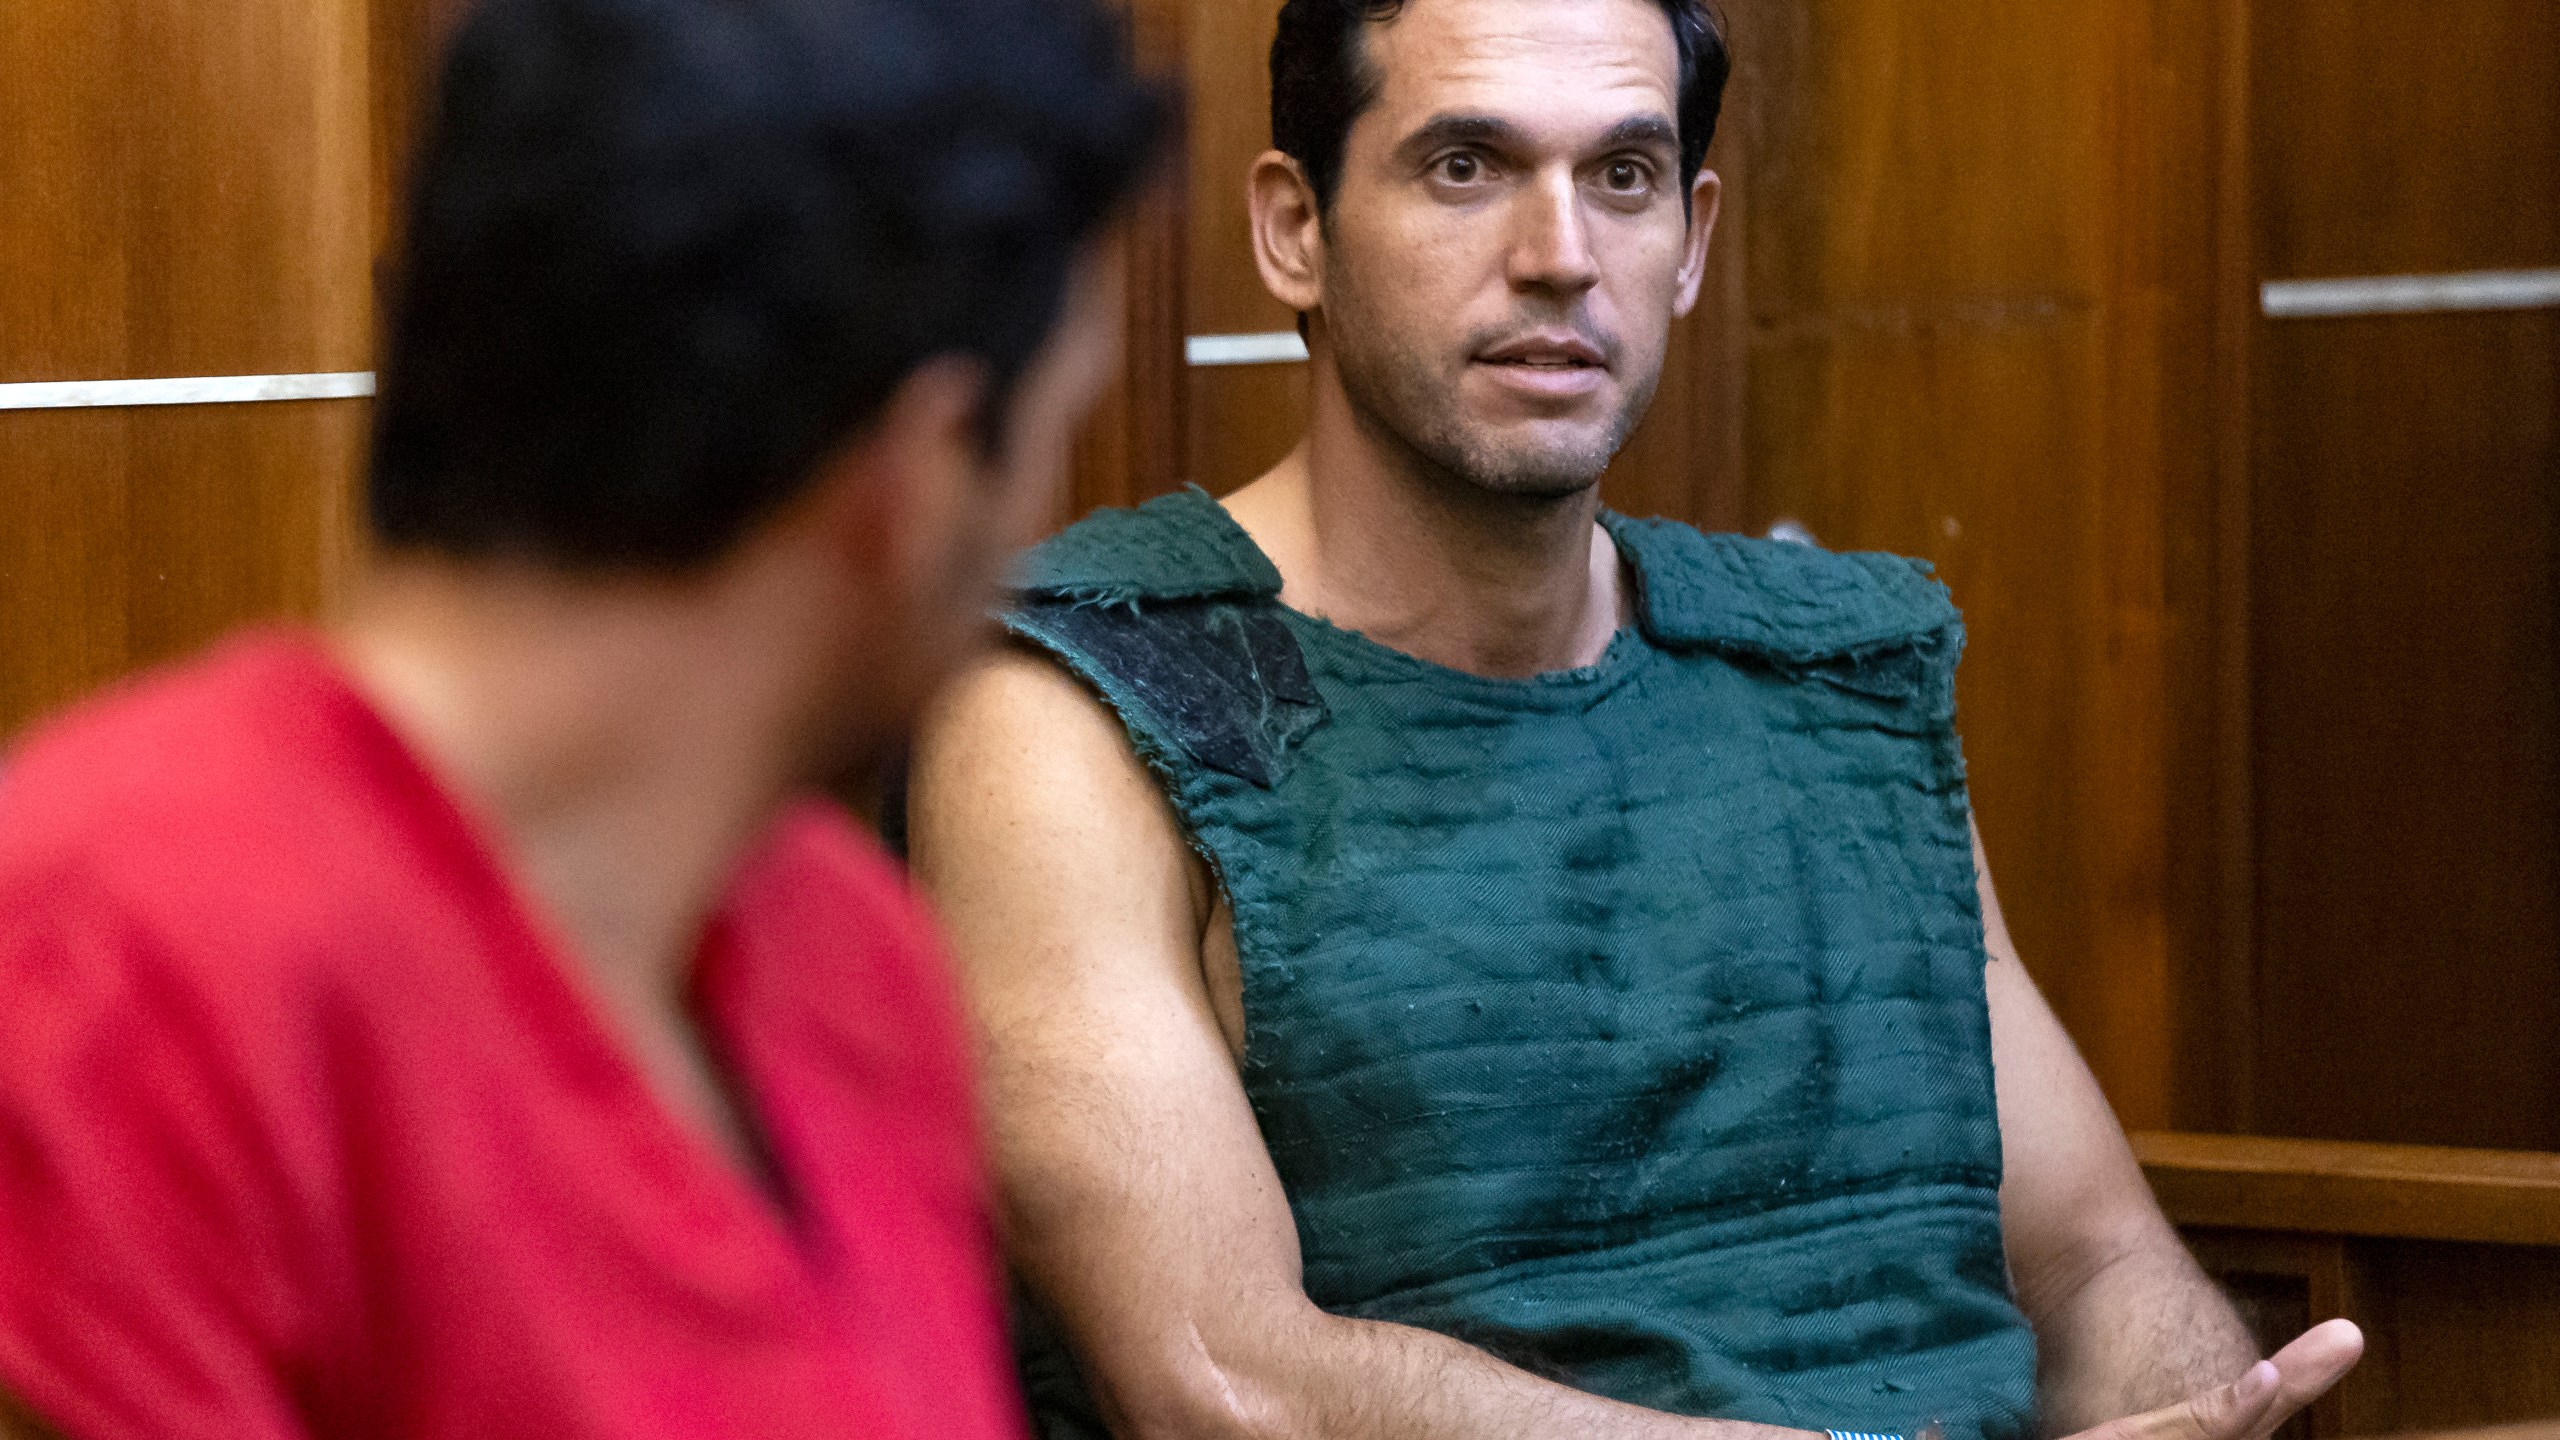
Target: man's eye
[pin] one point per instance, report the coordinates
(1460, 169)
(1625, 176)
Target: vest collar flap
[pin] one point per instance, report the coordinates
(1181, 546)
(1792, 605)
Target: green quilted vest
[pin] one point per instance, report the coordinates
(1628, 1021)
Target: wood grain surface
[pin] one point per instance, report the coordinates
(188, 189)
(1980, 292)
(2409, 1192)
(188, 192)
(2404, 505)
(2448, 1258)
(133, 536)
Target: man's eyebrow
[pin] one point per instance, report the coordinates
(1641, 130)
(1442, 130)
(1636, 131)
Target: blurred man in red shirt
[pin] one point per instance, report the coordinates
(461, 1022)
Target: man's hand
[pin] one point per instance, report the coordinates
(2251, 1407)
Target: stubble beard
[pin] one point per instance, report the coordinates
(1399, 390)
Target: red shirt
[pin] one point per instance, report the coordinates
(305, 1128)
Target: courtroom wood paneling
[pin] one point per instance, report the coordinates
(2528, 1430)
(187, 189)
(1228, 70)
(2407, 662)
(136, 535)
(1243, 419)
(2477, 1330)
(2404, 582)
(1979, 282)
(2457, 1335)
(1131, 448)
(2398, 138)
(2414, 1192)
(2449, 1259)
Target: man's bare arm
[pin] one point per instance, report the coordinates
(1136, 1195)
(2125, 1320)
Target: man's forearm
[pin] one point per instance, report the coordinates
(2147, 1330)
(1323, 1375)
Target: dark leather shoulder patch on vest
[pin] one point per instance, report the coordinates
(1224, 682)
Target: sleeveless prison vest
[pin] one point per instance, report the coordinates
(1627, 1021)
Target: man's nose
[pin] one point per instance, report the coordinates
(1551, 244)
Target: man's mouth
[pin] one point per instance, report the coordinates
(1550, 351)
(1546, 369)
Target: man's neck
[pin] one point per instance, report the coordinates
(1369, 539)
(623, 744)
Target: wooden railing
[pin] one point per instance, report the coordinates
(2401, 1192)
(2449, 1259)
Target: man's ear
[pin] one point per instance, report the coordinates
(892, 503)
(1288, 231)
(1706, 202)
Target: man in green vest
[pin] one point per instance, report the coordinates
(1456, 962)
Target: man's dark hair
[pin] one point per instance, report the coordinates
(1322, 81)
(664, 256)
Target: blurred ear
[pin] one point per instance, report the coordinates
(893, 502)
(1706, 202)
(1288, 231)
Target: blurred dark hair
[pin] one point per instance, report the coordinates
(1321, 81)
(665, 255)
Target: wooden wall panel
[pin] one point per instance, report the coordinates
(2475, 1330)
(188, 192)
(2407, 617)
(1228, 69)
(2405, 582)
(1243, 418)
(1131, 448)
(132, 536)
(1979, 291)
(2397, 138)
(2449, 1259)
(187, 188)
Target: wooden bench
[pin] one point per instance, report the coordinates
(2449, 1259)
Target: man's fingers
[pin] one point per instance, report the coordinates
(2251, 1407)
(2226, 1412)
(2314, 1362)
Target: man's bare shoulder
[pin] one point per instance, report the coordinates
(1019, 718)
(1025, 780)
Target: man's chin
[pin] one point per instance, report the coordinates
(1549, 466)
(1539, 478)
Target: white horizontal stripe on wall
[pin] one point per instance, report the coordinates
(2411, 294)
(1274, 347)
(202, 390)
